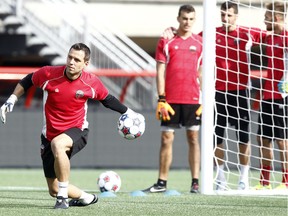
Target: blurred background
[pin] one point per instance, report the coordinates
(122, 35)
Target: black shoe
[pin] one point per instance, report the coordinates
(155, 189)
(61, 203)
(77, 202)
(194, 188)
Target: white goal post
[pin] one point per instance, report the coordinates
(251, 15)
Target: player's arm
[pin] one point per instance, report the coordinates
(113, 103)
(199, 110)
(19, 90)
(163, 110)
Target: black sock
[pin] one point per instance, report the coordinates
(161, 182)
(194, 180)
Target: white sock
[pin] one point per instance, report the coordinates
(86, 198)
(63, 189)
(244, 171)
(221, 174)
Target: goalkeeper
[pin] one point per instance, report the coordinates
(65, 131)
(178, 85)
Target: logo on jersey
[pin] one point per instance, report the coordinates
(79, 94)
(192, 48)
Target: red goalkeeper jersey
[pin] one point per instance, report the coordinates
(64, 100)
(232, 57)
(277, 53)
(183, 58)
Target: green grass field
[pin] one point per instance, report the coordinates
(23, 192)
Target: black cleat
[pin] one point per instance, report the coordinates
(155, 189)
(61, 203)
(194, 188)
(77, 202)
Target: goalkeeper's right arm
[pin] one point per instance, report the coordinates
(19, 90)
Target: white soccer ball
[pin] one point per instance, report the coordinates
(131, 126)
(109, 181)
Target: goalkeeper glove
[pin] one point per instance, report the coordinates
(283, 86)
(7, 107)
(163, 109)
(199, 112)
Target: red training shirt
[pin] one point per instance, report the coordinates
(64, 100)
(276, 51)
(183, 58)
(232, 57)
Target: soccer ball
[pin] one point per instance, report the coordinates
(131, 126)
(109, 181)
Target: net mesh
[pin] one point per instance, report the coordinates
(242, 68)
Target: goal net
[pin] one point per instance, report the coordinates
(244, 157)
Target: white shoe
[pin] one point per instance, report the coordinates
(221, 186)
(243, 185)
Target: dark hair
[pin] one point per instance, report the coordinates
(277, 8)
(230, 4)
(186, 8)
(83, 47)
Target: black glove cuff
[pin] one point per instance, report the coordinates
(161, 98)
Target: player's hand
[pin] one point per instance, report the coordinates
(130, 112)
(283, 86)
(198, 112)
(7, 107)
(169, 33)
(164, 110)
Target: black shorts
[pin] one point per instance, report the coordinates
(273, 119)
(232, 107)
(79, 138)
(184, 116)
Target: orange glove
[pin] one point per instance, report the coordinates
(199, 112)
(163, 110)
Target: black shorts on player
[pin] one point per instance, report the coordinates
(185, 115)
(273, 119)
(79, 138)
(232, 107)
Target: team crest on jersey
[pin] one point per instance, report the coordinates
(79, 94)
(192, 48)
(176, 47)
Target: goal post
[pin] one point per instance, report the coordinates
(208, 90)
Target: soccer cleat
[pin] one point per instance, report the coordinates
(262, 187)
(77, 202)
(194, 188)
(221, 186)
(61, 203)
(243, 186)
(155, 189)
(282, 186)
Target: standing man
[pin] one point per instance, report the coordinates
(65, 131)
(273, 112)
(233, 45)
(178, 85)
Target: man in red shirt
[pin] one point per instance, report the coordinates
(66, 90)
(273, 116)
(233, 45)
(178, 85)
